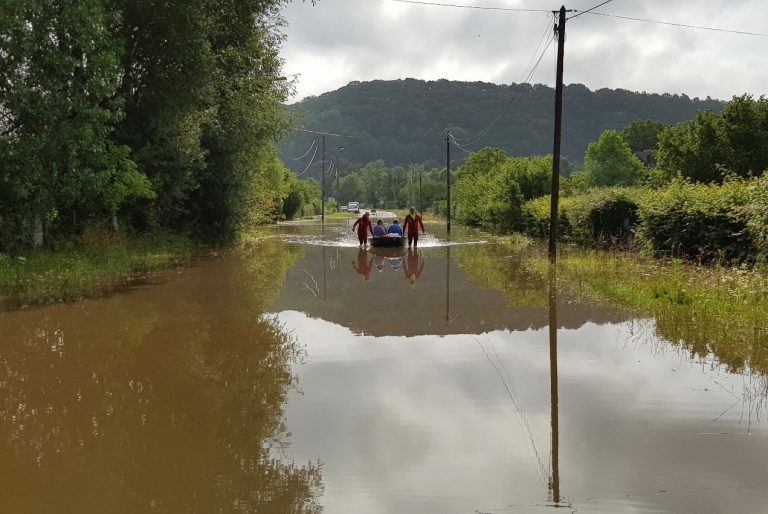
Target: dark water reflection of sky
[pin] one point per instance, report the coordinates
(435, 397)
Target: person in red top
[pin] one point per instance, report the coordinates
(364, 226)
(411, 227)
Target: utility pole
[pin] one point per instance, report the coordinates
(555, 196)
(322, 194)
(554, 479)
(448, 174)
(421, 206)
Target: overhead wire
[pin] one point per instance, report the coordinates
(465, 142)
(464, 6)
(310, 162)
(473, 139)
(682, 25)
(579, 13)
(314, 142)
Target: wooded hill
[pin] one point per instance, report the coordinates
(403, 121)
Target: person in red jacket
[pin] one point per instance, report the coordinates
(364, 226)
(411, 227)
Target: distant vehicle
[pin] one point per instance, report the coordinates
(353, 207)
(344, 208)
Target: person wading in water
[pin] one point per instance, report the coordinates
(364, 226)
(411, 226)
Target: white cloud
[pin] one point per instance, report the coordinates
(337, 41)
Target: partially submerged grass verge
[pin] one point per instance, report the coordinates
(87, 268)
(707, 309)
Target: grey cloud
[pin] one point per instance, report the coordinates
(338, 41)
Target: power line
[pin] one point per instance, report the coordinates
(588, 10)
(314, 142)
(462, 6)
(310, 162)
(682, 25)
(523, 79)
(321, 133)
(476, 138)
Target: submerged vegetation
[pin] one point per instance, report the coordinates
(88, 268)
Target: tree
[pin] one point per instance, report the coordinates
(610, 162)
(60, 66)
(350, 188)
(643, 135)
(713, 146)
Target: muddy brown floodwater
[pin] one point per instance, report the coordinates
(303, 374)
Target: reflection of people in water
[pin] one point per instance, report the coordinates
(395, 262)
(364, 226)
(413, 266)
(379, 261)
(364, 264)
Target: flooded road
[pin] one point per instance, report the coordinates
(305, 375)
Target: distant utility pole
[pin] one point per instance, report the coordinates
(448, 174)
(555, 196)
(322, 194)
(421, 206)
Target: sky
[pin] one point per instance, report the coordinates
(335, 42)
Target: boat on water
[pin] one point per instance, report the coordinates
(388, 241)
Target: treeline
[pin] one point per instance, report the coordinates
(147, 115)
(707, 199)
(377, 185)
(403, 122)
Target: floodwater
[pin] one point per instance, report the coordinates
(303, 374)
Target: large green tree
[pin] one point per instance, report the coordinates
(611, 162)
(643, 135)
(713, 146)
(59, 63)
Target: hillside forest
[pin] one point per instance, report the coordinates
(403, 122)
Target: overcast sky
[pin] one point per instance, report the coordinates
(338, 41)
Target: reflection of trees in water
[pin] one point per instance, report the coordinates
(168, 399)
(501, 267)
(751, 400)
(521, 276)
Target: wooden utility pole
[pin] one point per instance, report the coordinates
(555, 197)
(322, 194)
(554, 479)
(448, 175)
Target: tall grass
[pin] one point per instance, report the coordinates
(708, 309)
(87, 268)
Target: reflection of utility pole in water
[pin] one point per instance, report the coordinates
(554, 479)
(448, 284)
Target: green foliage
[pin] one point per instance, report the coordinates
(60, 63)
(643, 135)
(300, 194)
(491, 187)
(162, 114)
(611, 162)
(99, 261)
(704, 221)
(712, 146)
(603, 215)
(403, 121)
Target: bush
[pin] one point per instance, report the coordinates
(704, 222)
(603, 215)
(599, 215)
(535, 217)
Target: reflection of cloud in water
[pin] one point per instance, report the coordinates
(425, 424)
